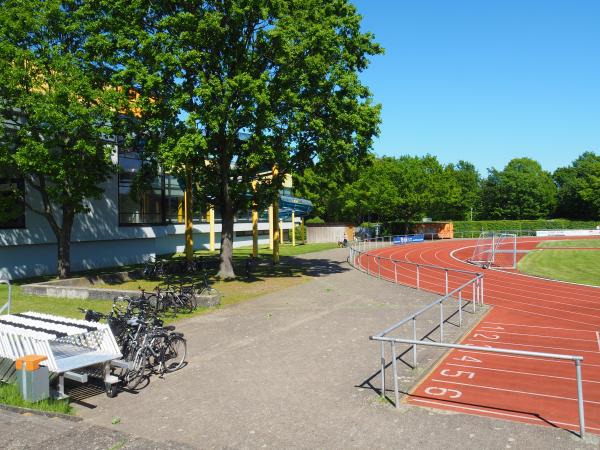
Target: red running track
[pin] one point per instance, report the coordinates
(529, 314)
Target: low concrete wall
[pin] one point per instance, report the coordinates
(82, 287)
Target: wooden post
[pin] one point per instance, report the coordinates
(276, 232)
(254, 222)
(271, 227)
(254, 232)
(303, 231)
(187, 199)
(281, 231)
(293, 229)
(211, 214)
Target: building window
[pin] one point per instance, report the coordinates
(175, 212)
(12, 210)
(249, 233)
(243, 216)
(140, 192)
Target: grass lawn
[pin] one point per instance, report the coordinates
(577, 266)
(10, 395)
(264, 279)
(581, 243)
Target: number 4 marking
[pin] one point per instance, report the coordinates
(467, 359)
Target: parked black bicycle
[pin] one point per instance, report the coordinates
(147, 345)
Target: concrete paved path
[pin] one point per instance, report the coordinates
(286, 370)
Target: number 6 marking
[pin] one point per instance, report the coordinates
(438, 391)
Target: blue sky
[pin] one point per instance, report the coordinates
(486, 81)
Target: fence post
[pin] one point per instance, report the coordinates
(580, 399)
(481, 302)
(446, 271)
(441, 322)
(382, 369)
(418, 283)
(460, 308)
(414, 339)
(395, 367)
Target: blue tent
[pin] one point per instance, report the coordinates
(288, 204)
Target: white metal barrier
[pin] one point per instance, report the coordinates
(6, 306)
(69, 344)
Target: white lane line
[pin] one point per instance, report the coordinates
(536, 335)
(514, 391)
(537, 326)
(529, 312)
(520, 373)
(532, 358)
(538, 306)
(598, 339)
(533, 346)
(490, 411)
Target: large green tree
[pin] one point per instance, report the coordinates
(285, 72)
(55, 113)
(523, 190)
(579, 188)
(398, 189)
(459, 192)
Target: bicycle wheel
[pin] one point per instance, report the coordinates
(139, 369)
(209, 291)
(188, 302)
(174, 352)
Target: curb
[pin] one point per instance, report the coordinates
(37, 412)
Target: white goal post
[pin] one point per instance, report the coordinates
(495, 250)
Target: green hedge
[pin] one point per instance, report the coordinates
(542, 224)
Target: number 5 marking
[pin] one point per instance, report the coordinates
(448, 373)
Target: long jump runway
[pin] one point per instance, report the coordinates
(528, 314)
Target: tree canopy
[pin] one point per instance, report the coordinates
(408, 188)
(282, 74)
(579, 188)
(523, 190)
(55, 112)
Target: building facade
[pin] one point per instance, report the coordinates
(128, 225)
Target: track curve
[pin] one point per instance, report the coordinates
(527, 313)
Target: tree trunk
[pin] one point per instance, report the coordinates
(226, 255)
(64, 244)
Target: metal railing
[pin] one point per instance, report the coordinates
(6, 306)
(414, 342)
(415, 274)
(360, 249)
(473, 234)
